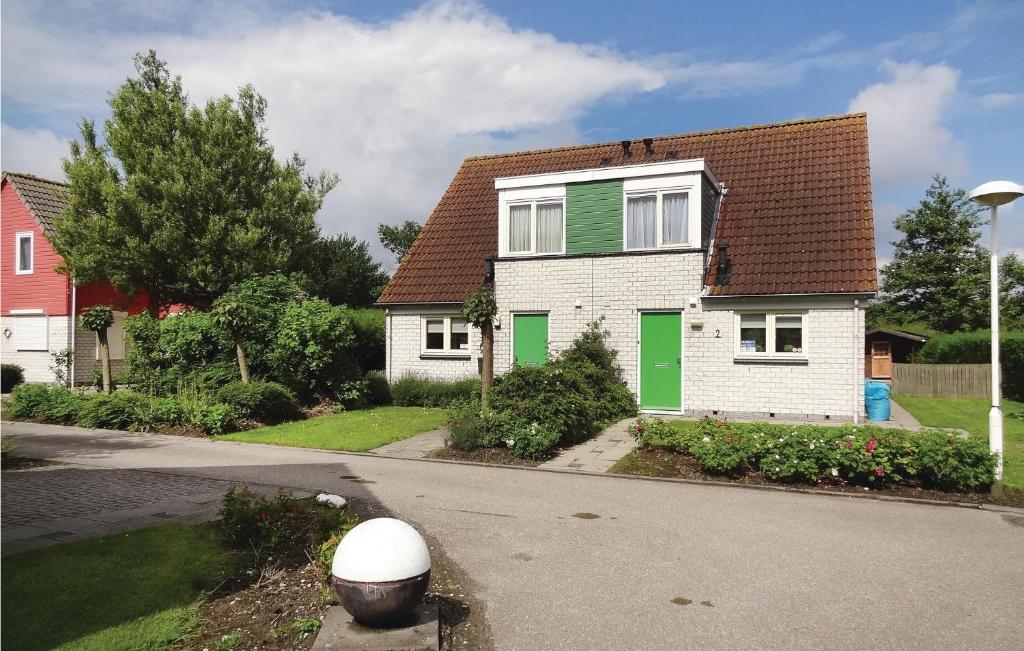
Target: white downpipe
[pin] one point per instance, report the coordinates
(995, 416)
(858, 356)
(73, 324)
(390, 347)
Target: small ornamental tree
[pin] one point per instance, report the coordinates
(480, 309)
(98, 318)
(236, 316)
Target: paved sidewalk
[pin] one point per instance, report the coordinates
(598, 454)
(900, 417)
(414, 447)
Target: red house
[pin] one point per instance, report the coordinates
(36, 302)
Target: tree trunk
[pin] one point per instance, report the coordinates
(104, 359)
(487, 373)
(154, 306)
(243, 363)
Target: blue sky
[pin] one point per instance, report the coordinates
(392, 95)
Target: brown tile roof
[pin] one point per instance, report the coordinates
(45, 199)
(797, 215)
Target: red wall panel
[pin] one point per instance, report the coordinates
(44, 288)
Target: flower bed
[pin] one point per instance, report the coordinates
(850, 455)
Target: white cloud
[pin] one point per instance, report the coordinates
(908, 139)
(392, 107)
(36, 151)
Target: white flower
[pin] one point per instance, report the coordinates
(812, 446)
(776, 468)
(835, 473)
(706, 439)
(510, 442)
(776, 456)
(780, 439)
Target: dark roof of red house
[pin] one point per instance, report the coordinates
(45, 199)
(797, 214)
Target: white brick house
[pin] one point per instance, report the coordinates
(730, 268)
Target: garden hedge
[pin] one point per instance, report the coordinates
(11, 375)
(976, 348)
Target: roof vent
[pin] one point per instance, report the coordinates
(626, 154)
(648, 148)
(723, 270)
(489, 271)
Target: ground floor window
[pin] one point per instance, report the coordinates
(770, 334)
(445, 335)
(30, 332)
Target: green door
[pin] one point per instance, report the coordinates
(530, 339)
(661, 361)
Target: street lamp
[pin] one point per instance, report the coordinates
(994, 194)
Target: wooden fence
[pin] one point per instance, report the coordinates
(943, 380)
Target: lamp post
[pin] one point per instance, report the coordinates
(994, 194)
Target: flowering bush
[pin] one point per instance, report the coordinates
(868, 456)
(470, 427)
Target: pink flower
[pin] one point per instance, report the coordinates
(728, 439)
(872, 444)
(879, 472)
(849, 444)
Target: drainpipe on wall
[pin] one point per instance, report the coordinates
(858, 354)
(387, 313)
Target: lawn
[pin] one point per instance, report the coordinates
(972, 415)
(131, 590)
(351, 431)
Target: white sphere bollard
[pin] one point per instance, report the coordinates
(381, 571)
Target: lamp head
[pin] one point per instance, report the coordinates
(996, 193)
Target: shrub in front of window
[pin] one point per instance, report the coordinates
(11, 375)
(418, 391)
(378, 392)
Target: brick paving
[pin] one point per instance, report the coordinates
(414, 447)
(52, 504)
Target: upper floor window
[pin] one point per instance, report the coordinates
(771, 334)
(23, 253)
(655, 219)
(536, 227)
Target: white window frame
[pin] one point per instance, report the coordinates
(446, 351)
(769, 353)
(532, 203)
(659, 194)
(18, 237)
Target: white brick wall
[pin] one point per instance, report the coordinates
(35, 362)
(576, 291)
(404, 357)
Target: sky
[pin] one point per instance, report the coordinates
(392, 96)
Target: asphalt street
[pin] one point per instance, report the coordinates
(663, 565)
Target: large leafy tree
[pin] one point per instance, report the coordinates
(184, 201)
(399, 239)
(939, 272)
(341, 271)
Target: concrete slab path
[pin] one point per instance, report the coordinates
(598, 454)
(414, 447)
(777, 569)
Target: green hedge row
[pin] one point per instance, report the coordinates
(867, 456)
(976, 348)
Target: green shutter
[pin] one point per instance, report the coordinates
(593, 217)
(530, 339)
(661, 361)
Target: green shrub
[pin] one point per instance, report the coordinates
(124, 410)
(202, 411)
(419, 391)
(378, 392)
(283, 531)
(163, 352)
(976, 348)
(266, 402)
(866, 456)
(312, 348)
(590, 355)
(63, 406)
(29, 400)
(11, 375)
(369, 348)
(212, 377)
(558, 396)
(470, 428)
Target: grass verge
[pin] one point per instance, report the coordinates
(971, 414)
(132, 590)
(351, 431)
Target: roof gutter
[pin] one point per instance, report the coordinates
(809, 294)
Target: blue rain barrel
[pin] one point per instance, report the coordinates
(876, 400)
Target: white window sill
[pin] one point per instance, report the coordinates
(23, 272)
(770, 359)
(444, 354)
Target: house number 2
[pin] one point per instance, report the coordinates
(718, 334)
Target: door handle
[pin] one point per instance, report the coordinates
(661, 366)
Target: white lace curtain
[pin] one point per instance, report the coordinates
(673, 218)
(519, 228)
(549, 227)
(641, 222)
